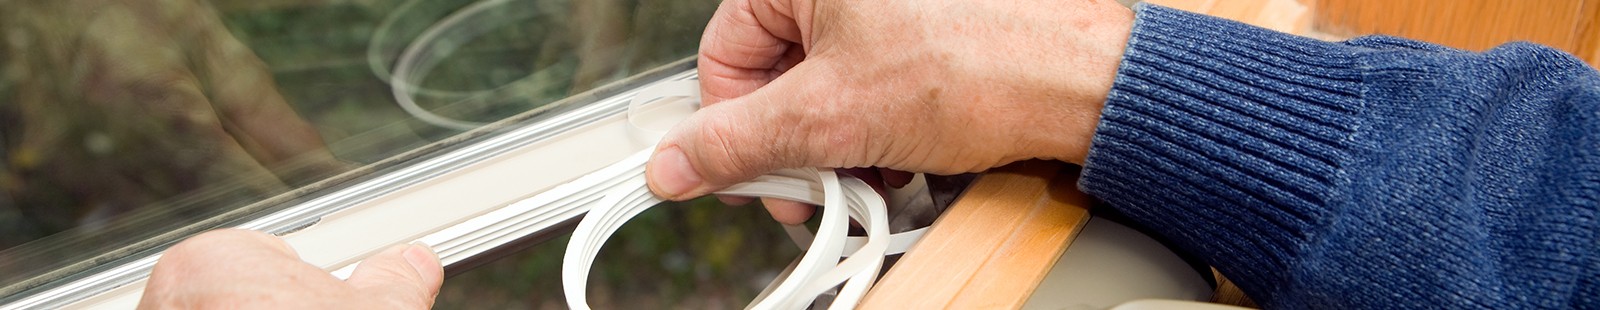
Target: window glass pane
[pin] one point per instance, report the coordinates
(128, 124)
(699, 254)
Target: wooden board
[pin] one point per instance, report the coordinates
(994, 244)
(1568, 25)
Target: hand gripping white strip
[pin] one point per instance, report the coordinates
(814, 273)
(650, 114)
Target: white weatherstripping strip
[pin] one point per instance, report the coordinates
(616, 193)
(817, 271)
(522, 218)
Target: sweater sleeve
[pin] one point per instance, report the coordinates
(1373, 173)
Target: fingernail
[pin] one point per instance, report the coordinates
(670, 173)
(420, 256)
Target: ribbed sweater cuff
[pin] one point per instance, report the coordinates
(1225, 137)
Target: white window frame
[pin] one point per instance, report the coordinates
(550, 163)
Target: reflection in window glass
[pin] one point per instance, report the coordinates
(695, 255)
(127, 124)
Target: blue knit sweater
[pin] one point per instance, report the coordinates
(1372, 173)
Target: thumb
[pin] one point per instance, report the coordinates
(407, 275)
(781, 125)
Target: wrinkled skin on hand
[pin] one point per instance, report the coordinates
(941, 86)
(113, 105)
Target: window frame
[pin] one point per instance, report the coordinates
(303, 217)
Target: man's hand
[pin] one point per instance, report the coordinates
(247, 269)
(926, 86)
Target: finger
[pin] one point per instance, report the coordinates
(783, 125)
(218, 250)
(788, 212)
(735, 200)
(208, 261)
(232, 241)
(895, 178)
(409, 275)
(790, 58)
(867, 175)
(747, 44)
(795, 213)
